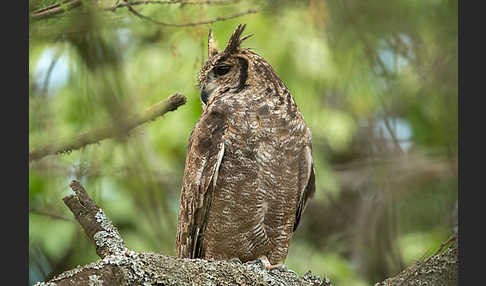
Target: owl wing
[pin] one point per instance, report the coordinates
(308, 188)
(204, 155)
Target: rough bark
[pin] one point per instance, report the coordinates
(437, 270)
(121, 266)
(135, 268)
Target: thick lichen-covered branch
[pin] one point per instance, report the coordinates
(121, 266)
(112, 130)
(143, 268)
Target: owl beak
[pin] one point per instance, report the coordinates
(204, 95)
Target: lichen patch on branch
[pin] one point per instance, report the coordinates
(109, 236)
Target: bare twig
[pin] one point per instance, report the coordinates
(55, 9)
(49, 214)
(389, 128)
(182, 3)
(50, 7)
(189, 24)
(66, 5)
(94, 136)
(49, 72)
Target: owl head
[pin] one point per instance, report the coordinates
(224, 72)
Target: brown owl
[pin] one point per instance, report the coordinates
(249, 171)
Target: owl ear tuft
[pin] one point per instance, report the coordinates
(235, 40)
(212, 49)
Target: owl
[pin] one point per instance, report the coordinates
(249, 171)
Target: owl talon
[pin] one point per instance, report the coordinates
(257, 261)
(265, 264)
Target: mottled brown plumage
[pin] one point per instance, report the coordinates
(249, 171)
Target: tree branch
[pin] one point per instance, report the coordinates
(94, 222)
(55, 9)
(66, 5)
(189, 24)
(438, 269)
(182, 3)
(94, 136)
(121, 266)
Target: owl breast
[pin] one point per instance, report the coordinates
(255, 198)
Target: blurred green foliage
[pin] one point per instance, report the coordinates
(377, 83)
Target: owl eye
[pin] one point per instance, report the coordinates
(221, 70)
